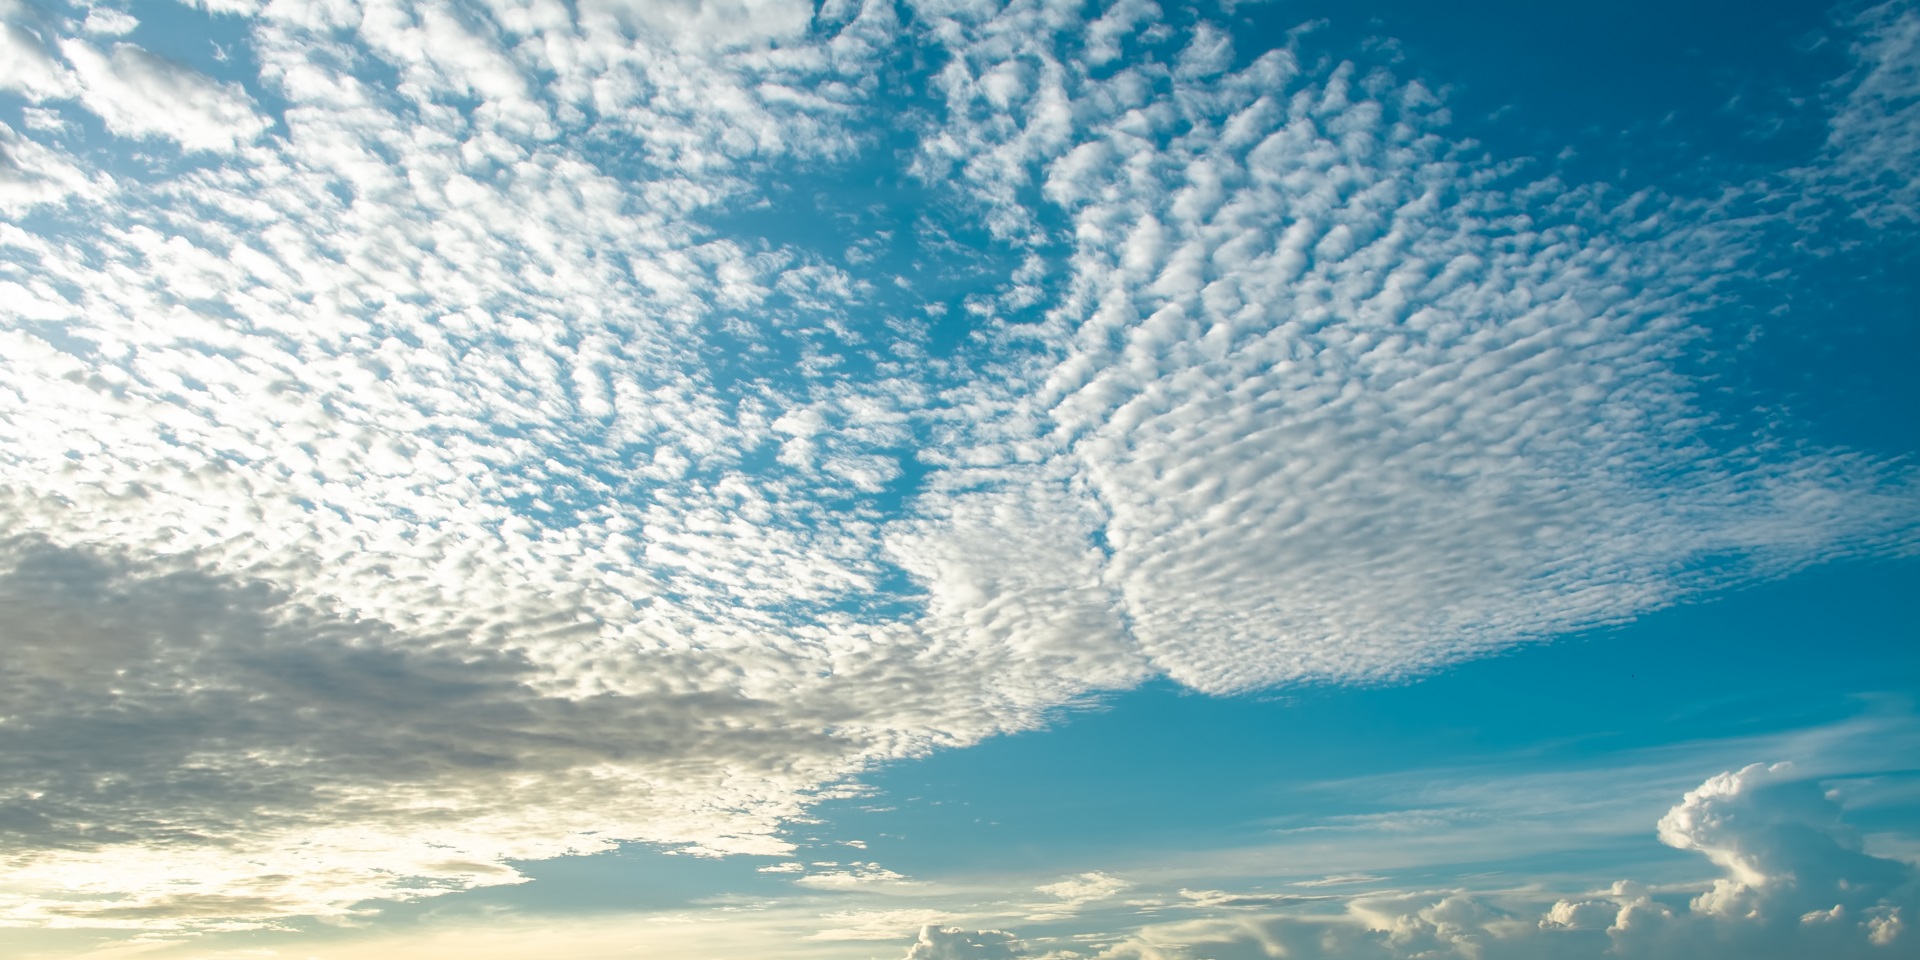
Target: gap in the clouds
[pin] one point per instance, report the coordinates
(217, 45)
(1158, 769)
(916, 255)
(1829, 353)
(1636, 90)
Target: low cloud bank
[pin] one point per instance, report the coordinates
(1796, 884)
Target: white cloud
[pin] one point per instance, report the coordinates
(108, 22)
(1784, 847)
(27, 67)
(1336, 880)
(876, 924)
(32, 174)
(1076, 892)
(1341, 416)
(139, 94)
(403, 445)
(851, 876)
(954, 943)
(227, 6)
(1796, 885)
(1084, 887)
(718, 23)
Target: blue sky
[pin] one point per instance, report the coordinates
(914, 480)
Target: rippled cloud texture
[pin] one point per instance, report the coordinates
(440, 434)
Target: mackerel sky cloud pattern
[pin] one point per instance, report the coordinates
(433, 435)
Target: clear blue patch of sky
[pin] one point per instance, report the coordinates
(1653, 88)
(217, 45)
(1826, 350)
(1159, 768)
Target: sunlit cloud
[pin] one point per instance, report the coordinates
(441, 437)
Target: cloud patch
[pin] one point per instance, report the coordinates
(141, 95)
(1795, 885)
(956, 943)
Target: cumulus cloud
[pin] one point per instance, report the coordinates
(1788, 855)
(955, 943)
(457, 471)
(1796, 884)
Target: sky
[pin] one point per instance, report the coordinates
(934, 479)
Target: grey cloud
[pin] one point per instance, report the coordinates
(152, 709)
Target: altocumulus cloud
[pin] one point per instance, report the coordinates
(418, 467)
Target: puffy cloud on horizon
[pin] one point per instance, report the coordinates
(1789, 857)
(458, 472)
(954, 943)
(1796, 885)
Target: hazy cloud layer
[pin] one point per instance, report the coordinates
(430, 462)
